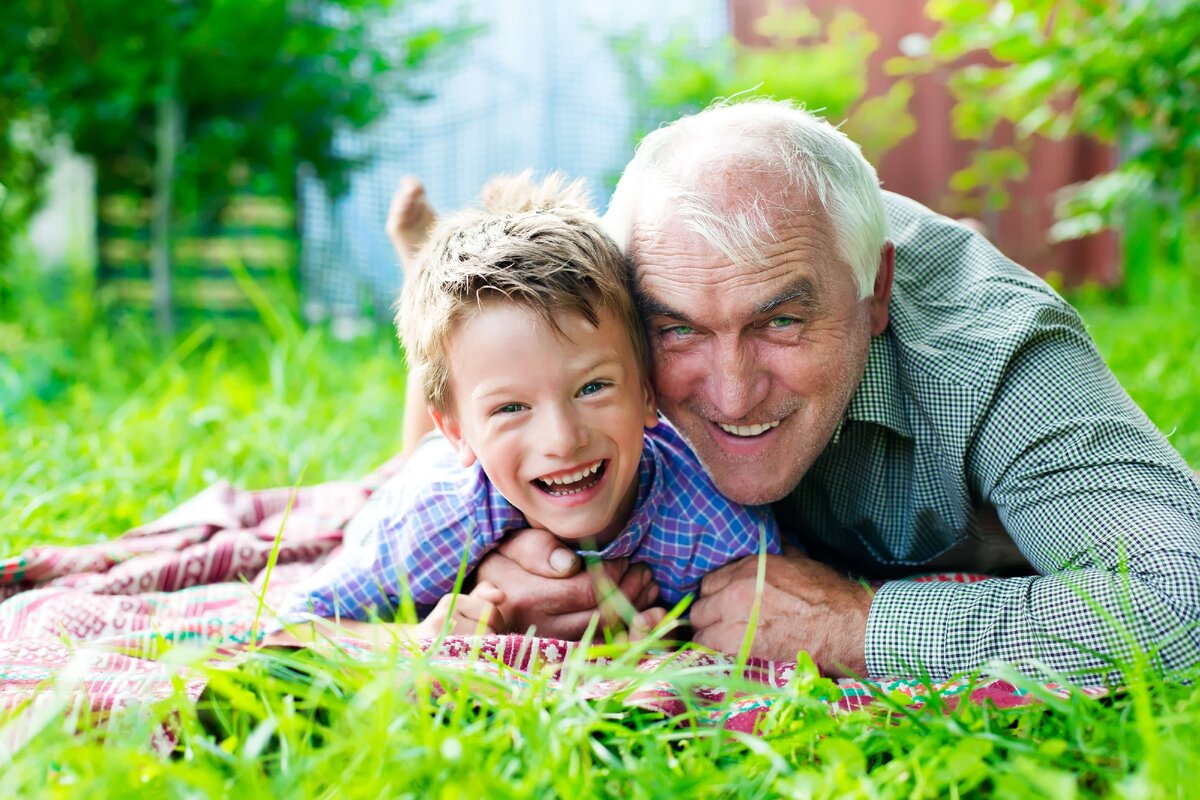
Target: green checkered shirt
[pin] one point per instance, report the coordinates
(988, 435)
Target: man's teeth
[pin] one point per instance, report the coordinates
(748, 430)
(572, 477)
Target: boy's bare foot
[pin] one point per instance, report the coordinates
(410, 219)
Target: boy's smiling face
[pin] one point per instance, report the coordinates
(555, 419)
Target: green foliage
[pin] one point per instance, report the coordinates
(1121, 72)
(822, 64)
(103, 429)
(263, 86)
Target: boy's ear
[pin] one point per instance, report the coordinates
(453, 433)
(651, 403)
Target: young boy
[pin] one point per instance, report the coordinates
(522, 335)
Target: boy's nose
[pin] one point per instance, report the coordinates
(563, 434)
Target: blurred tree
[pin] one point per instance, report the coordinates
(822, 64)
(1125, 72)
(187, 99)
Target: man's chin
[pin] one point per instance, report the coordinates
(749, 482)
(744, 475)
(752, 494)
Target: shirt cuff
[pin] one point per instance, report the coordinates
(906, 629)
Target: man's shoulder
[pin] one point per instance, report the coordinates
(960, 309)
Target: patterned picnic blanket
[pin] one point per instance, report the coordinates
(85, 624)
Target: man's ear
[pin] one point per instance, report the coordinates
(882, 293)
(650, 402)
(453, 433)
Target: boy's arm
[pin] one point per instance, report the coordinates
(410, 219)
(462, 615)
(417, 421)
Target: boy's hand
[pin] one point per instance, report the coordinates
(474, 613)
(546, 590)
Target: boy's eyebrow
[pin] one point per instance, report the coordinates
(485, 391)
(602, 360)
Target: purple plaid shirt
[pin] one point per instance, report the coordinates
(419, 524)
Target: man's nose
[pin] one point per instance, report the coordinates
(738, 383)
(562, 432)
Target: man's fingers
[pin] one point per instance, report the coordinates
(571, 626)
(718, 579)
(726, 638)
(539, 553)
(705, 612)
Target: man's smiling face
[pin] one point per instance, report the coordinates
(754, 363)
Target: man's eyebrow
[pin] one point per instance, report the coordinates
(652, 307)
(800, 291)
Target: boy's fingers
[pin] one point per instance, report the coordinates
(643, 623)
(537, 552)
(485, 590)
(472, 611)
(638, 586)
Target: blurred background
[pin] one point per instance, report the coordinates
(192, 192)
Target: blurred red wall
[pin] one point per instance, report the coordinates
(921, 166)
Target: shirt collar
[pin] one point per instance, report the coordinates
(879, 398)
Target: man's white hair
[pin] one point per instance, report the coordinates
(719, 172)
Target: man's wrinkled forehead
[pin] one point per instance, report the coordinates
(737, 217)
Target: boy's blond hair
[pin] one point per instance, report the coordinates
(539, 245)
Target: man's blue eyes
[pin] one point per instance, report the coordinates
(781, 322)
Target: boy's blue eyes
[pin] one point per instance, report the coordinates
(589, 388)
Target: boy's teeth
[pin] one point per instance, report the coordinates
(574, 476)
(748, 430)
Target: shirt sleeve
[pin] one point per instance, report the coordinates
(417, 535)
(731, 532)
(1097, 501)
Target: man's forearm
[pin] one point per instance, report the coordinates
(1085, 623)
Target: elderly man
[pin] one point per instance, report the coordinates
(908, 399)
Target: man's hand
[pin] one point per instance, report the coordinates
(805, 606)
(545, 589)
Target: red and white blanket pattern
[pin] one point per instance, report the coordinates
(83, 625)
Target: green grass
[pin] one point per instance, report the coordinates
(103, 428)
